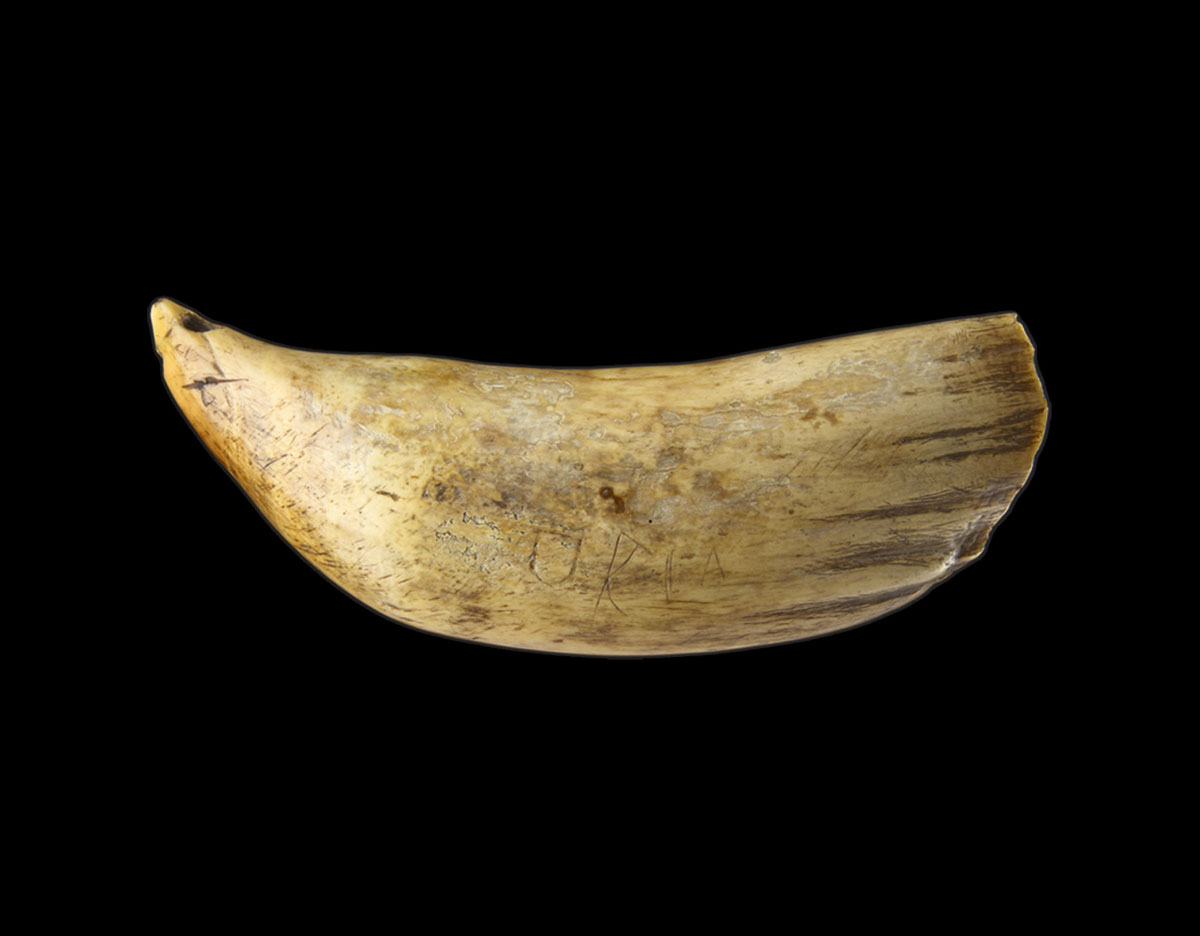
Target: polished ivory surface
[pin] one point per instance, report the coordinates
(647, 510)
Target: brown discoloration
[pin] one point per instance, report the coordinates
(813, 415)
(850, 604)
(1020, 444)
(733, 503)
(908, 550)
(440, 491)
(193, 323)
(944, 501)
(1023, 419)
(618, 501)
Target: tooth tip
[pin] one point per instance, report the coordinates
(159, 314)
(161, 309)
(166, 313)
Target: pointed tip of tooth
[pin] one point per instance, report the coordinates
(165, 313)
(160, 320)
(164, 305)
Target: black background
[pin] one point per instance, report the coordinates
(200, 698)
(245, 606)
(670, 250)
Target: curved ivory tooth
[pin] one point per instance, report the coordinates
(739, 502)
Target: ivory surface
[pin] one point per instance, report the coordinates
(647, 510)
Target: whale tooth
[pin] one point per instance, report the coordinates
(625, 511)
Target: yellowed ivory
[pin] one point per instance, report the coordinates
(643, 510)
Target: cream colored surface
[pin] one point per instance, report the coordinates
(625, 511)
